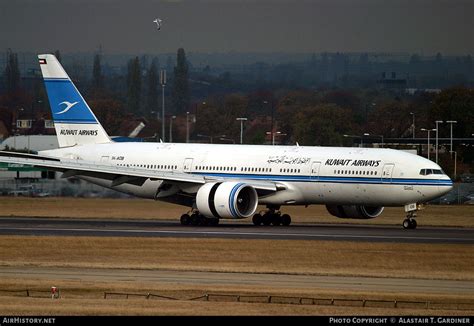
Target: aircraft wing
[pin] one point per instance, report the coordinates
(76, 168)
(119, 174)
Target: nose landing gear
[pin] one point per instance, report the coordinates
(410, 222)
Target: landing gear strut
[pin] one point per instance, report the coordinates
(410, 222)
(271, 216)
(196, 219)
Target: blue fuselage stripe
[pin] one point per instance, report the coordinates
(330, 179)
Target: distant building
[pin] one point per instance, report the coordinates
(391, 81)
(33, 143)
(412, 91)
(3, 130)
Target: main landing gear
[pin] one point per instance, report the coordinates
(196, 219)
(271, 216)
(410, 222)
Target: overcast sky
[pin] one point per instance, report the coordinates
(414, 26)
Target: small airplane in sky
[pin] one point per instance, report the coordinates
(158, 22)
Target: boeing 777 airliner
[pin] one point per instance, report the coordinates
(228, 181)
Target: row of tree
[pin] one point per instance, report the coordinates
(141, 83)
(307, 116)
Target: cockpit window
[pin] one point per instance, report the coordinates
(431, 171)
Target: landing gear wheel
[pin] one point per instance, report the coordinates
(406, 224)
(185, 219)
(257, 219)
(276, 219)
(409, 224)
(267, 219)
(285, 219)
(195, 220)
(411, 214)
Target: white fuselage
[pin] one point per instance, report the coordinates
(309, 175)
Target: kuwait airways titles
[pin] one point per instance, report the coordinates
(76, 132)
(347, 162)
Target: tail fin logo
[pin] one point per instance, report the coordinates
(69, 105)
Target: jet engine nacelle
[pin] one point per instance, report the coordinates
(354, 211)
(227, 200)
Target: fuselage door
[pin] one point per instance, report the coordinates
(387, 173)
(188, 163)
(315, 170)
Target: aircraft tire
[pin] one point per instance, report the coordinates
(185, 219)
(276, 220)
(285, 219)
(257, 219)
(406, 224)
(267, 219)
(413, 224)
(195, 220)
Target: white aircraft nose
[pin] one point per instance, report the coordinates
(445, 187)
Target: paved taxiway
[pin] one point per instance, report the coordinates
(148, 228)
(242, 279)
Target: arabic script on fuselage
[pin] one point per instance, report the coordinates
(288, 160)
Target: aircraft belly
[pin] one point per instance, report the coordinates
(366, 194)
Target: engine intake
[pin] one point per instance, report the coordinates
(227, 200)
(354, 211)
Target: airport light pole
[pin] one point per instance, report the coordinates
(428, 130)
(352, 136)
(171, 128)
(273, 138)
(210, 137)
(413, 124)
(362, 139)
(163, 84)
(455, 162)
(381, 136)
(382, 139)
(451, 139)
(277, 133)
(241, 127)
(224, 137)
(271, 107)
(187, 127)
(437, 129)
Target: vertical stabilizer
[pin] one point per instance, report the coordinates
(74, 121)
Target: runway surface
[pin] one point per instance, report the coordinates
(260, 280)
(147, 228)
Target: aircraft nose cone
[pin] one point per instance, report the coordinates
(446, 187)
